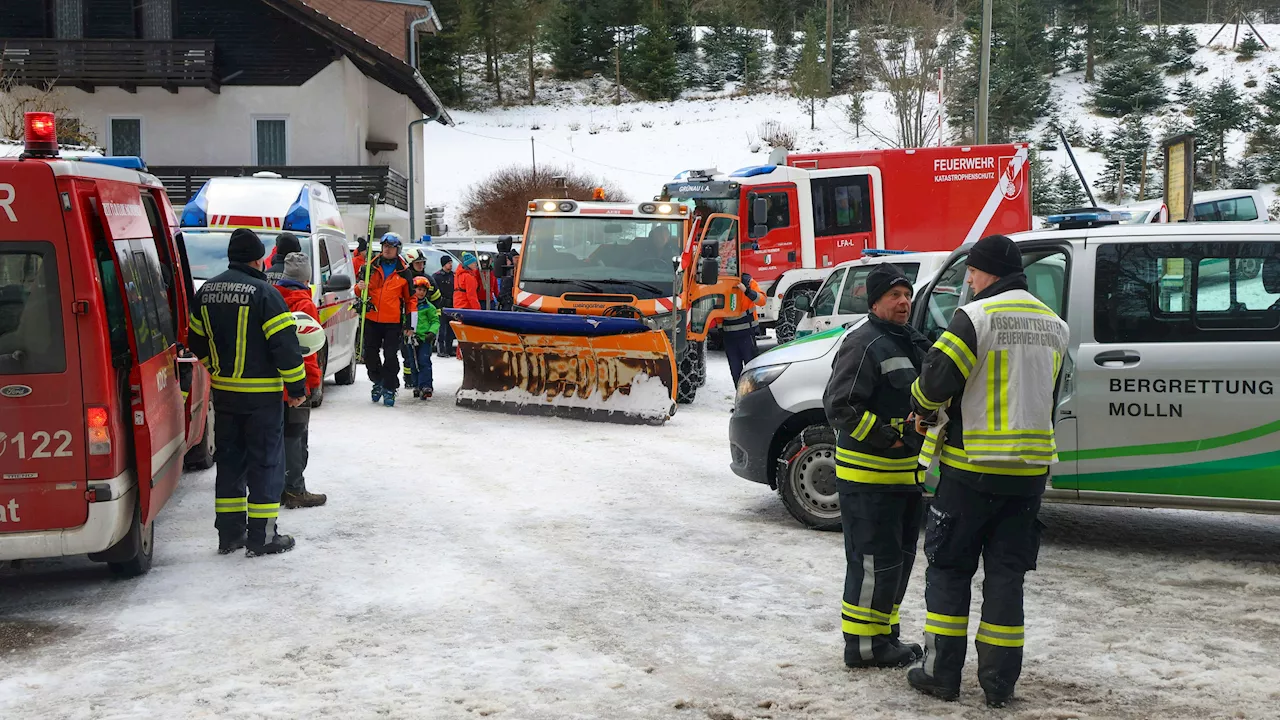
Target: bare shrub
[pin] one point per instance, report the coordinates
(18, 100)
(777, 134)
(497, 204)
(646, 124)
(906, 65)
(624, 126)
(575, 127)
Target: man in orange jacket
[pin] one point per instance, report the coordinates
(295, 287)
(740, 332)
(386, 319)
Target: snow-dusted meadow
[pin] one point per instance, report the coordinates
(479, 565)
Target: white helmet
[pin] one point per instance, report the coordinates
(310, 334)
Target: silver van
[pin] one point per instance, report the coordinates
(1167, 399)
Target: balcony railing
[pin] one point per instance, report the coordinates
(128, 64)
(351, 185)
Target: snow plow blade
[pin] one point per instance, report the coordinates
(575, 366)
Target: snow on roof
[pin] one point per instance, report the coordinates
(14, 148)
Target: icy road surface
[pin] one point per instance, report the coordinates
(479, 565)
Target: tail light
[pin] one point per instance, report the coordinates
(41, 134)
(98, 422)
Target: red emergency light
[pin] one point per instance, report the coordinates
(41, 134)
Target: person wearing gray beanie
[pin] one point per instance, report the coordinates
(295, 286)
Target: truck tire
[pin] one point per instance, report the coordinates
(347, 375)
(807, 478)
(691, 372)
(789, 316)
(141, 540)
(200, 457)
(1250, 267)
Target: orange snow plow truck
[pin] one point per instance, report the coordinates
(612, 302)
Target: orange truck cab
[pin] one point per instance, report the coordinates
(99, 402)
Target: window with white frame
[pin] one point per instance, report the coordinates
(271, 141)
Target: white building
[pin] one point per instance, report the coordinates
(320, 89)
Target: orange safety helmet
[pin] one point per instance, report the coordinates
(421, 281)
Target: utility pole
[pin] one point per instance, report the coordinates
(831, 21)
(984, 73)
(1159, 16)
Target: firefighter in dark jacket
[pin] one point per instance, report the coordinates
(868, 402)
(986, 394)
(506, 272)
(245, 335)
(443, 280)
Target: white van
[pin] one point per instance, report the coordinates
(842, 299)
(1208, 206)
(1167, 398)
(270, 206)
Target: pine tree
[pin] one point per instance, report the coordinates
(1130, 141)
(442, 58)
(1097, 18)
(1220, 111)
(808, 80)
(846, 65)
(1181, 54)
(717, 46)
(1248, 48)
(1049, 136)
(1269, 103)
(567, 39)
(1246, 174)
(1044, 192)
(856, 111)
(752, 61)
(1067, 190)
(1129, 85)
(1188, 93)
(1159, 47)
(654, 68)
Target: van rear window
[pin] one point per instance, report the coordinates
(31, 341)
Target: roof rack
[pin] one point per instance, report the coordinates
(1088, 217)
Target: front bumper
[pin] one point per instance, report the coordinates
(108, 522)
(755, 422)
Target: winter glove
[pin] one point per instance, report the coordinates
(429, 338)
(746, 279)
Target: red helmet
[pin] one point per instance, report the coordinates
(421, 281)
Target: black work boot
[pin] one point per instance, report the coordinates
(228, 543)
(998, 671)
(231, 531)
(264, 540)
(938, 672)
(916, 651)
(886, 656)
(923, 682)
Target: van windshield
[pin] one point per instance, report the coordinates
(207, 251)
(31, 339)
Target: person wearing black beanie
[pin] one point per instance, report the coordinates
(867, 400)
(286, 244)
(246, 247)
(987, 393)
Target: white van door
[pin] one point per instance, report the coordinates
(1177, 381)
(824, 303)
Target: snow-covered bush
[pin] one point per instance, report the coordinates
(777, 134)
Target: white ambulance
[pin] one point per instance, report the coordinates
(270, 205)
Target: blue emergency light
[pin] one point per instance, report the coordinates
(196, 212)
(1086, 218)
(876, 252)
(128, 162)
(298, 219)
(753, 171)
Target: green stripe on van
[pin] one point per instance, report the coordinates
(810, 338)
(1172, 448)
(1253, 477)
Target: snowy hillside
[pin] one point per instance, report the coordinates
(640, 145)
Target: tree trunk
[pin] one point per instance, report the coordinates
(533, 89)
(497, 72)
(1088, 54)
(812, 110)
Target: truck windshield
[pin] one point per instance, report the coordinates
(601, 250)
(207, 251)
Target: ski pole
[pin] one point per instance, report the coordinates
(368, 262)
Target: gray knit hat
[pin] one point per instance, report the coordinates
(297, 268)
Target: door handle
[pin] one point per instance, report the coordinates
(1117, 358)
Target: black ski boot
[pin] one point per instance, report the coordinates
(228, 544)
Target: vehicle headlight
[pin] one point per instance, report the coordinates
(664, 322)
(758, 378)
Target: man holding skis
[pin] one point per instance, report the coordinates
(385, 320)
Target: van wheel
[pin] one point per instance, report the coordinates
(317, 397)
(142, 538)
(691, 371)
(789, 316)
(200, 457)
(807, 483)
(347, 375)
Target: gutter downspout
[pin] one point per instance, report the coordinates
(413, 163)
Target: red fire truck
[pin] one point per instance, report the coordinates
(809, 212)
(99, 405)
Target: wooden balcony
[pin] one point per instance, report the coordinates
(351, 185)
(128, 64)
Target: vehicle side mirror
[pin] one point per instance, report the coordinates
(337, 283)
(710, 250)
(708, 271)
(759, 230)
(803, 303)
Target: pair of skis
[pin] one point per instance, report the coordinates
(368, 265)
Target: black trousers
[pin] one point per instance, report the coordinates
(962, 526)
(740, 347)
(444, 338)
(250, 459)
(381, 362)
(296, 426)
(881, 531)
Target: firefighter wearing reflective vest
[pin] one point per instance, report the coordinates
(739, 332)
(987, 393)
(868, 401)
(245, 335)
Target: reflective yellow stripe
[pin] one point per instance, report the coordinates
(277, 323)
(851, 627)
(295, 374)
(877, 477)
(264, 510)
(196, 326)
(247, 385)
(1003, 434)
(1057, 364)
(215, 366)
(929, 448)
(1002, 635)
(875, 462)
(230, 505)
(960, 460)
(1030, 306)
(918, 394)
(997, 388)
(950, 625)
(960, 354)
(864, 426)
(864, 614)
(893, 617)
(242, 336)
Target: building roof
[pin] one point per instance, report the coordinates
(374, 34)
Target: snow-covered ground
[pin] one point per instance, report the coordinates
(472, 564)
(641, 145)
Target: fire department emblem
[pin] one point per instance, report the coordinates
(1013, 176)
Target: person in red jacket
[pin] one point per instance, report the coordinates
(295, 287)
(466, 285)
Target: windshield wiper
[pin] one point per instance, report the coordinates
(640, 284)
(563, 281)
